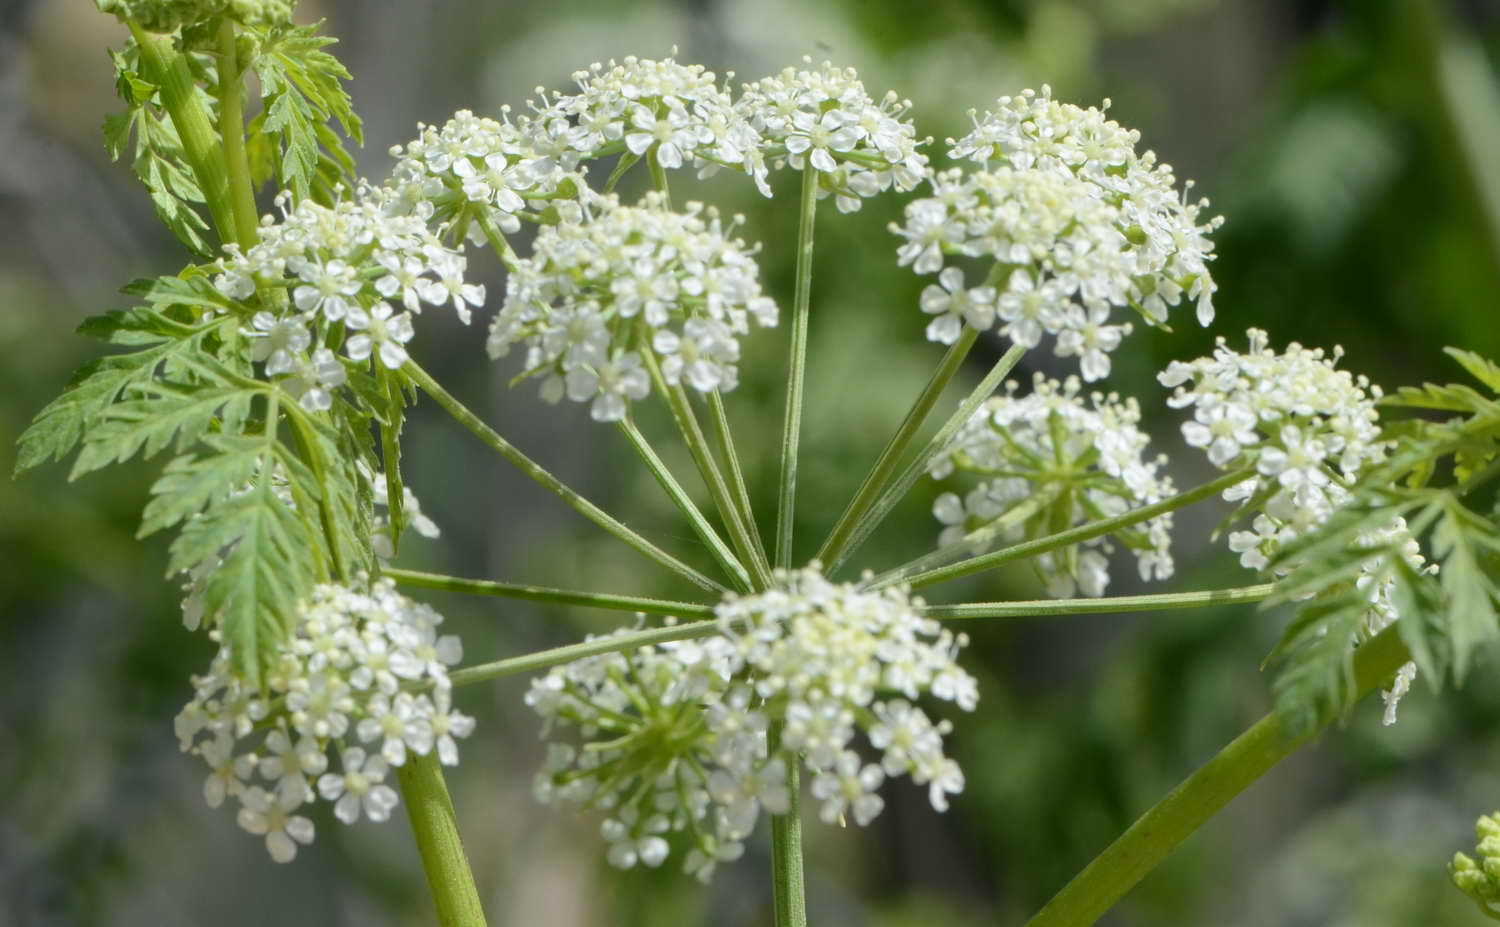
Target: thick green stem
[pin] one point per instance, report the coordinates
(624, 603)
(787, 889)
(435, 827)
(168, 69)
(1061, 539)
(232, 132)
(838, 540)
(791, 435)
(719, 421)
(1202, 795)
(615, 643)
(1046, 608)
(706, 533)
(939, 443)
(534, 470)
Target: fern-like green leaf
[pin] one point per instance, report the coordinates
(1480, 368)
(164, 414)
(1465, 544)
(97, 385)
(302, 89)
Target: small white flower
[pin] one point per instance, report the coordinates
(360, 787)
(378, 328)
(265, 814)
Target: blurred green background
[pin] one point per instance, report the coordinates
(1353, 148)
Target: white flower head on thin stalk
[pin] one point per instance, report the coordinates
(675, 734)
(1065, 225)
(1032, 131)
(677, 114)
(474, 168)
(1308, 428)
(338, 269)
(625, 287)
(1304, 424)
(363, 678)
(823, 117)
(1049, 461)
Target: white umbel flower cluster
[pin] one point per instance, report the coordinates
(677, 114)
(1071, 225)
(823, 117)
(364, 679)
(676, 734)
(474, 167)
(1301, 421)
(1050, 461)
(341, 269)
(601, 300)
(1307, 427)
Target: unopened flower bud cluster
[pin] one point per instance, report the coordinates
(1480, 879)
(1049, 461)
(360, 686)
(171, 15)
(341, 269)
(1067, 223)
(676, 734)
(601, 300)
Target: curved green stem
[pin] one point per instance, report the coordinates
(706, 533)
(1044, 608)
(1198, 798)
(625, 603)
(534, 470)
(875, 483)
(168, 69)
(232, 132)
(435, 827)
(791, 435)
(1061, 539)
(918, 466)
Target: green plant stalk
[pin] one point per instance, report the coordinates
(703, 458)
(876, 482)
(534, 470)
(435, 827)
(659, 176)
(1062, 538)
(617, 643)
(787, 884)
(485, 587)
(719, 421)
(732, 566)
(939, 443)
(718, 490)
(1199, 797)
(232, 132)
(168, 69)
(1046, 608)
(791, 435)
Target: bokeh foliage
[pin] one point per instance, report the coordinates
(1333, 136)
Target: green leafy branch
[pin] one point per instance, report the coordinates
(278, 508)
(1445, 619)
